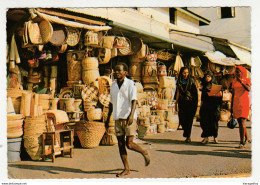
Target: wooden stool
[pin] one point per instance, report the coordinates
(65, 143)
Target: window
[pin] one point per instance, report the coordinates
(134, 8)
(173, 17)
(226, 12)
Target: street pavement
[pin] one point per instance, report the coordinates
(170, 158)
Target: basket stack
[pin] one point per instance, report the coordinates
(149, 74)
(33, 130)
(90, 133)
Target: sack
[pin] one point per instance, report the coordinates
(232, 123)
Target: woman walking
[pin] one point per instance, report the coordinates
(186, 101)
(209, 110)
(240, 102)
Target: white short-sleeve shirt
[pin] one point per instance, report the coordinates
(122, 98)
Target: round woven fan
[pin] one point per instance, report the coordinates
(46, 31)
(59, 36)
(34, 33)
(73, 36)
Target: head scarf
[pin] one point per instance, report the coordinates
(180, 79)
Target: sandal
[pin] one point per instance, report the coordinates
(241, 146)
(215, 141)
(205, 141)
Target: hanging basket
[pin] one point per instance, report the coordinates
(107, 42)
(59, 36)
(73, 36)
(104, 55)
(126, 50)
(90, 133)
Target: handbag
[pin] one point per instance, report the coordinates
(232, 123)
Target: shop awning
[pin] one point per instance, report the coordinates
(193, 39)
(242, 54)
(218, 57)
(155, 41)
(58, 20)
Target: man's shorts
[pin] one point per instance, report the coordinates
(122, 129)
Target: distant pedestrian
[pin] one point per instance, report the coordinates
(186, 101)
(209, 110)
(240, 102)
(123, 103)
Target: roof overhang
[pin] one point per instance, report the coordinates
(155, 41)
(202, 20)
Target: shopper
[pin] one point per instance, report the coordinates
(240, 102)
(123, 103)
(186, 101)
(209, 110)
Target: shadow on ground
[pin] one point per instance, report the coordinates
(221, 153)
(53, 169)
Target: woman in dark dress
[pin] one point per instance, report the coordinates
(186, 101)
(209, 110)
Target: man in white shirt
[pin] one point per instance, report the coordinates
(123, 103)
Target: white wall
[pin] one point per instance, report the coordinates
(152, 20)
(234, 29)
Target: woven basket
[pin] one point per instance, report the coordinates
(14, 126)
(90, 63)
(73, 36)
(59, 36)
(143, 121)
(33, 130)
(16, 95)
(69, 104)
(89, 76)
(120, 43)
(94, 114)
(104, 55)
(89, 105)
(167, 81)
(104, 84)
(77, 90)
(107, 42)
(91, 39)
(90, 133)
(127, 49)
(74, 70)
(135, 69)
(90, 93)
(46, 31)
(161, 128)
(136, 44)
(104, 99)
(44, 101)
(143, 52)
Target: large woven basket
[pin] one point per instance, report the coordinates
(33, 130)
(90, 133)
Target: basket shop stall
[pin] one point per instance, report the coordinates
(43, 114)
(59, 78)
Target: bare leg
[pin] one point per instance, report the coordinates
(242, 131)
(123, 155)
(133, 146)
